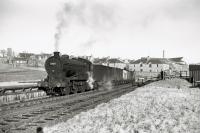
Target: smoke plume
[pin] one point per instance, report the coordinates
(113, 23)
(62, 22)
(95, 16)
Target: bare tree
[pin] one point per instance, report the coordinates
(3, 52)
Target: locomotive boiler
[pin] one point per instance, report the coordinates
(66, 75)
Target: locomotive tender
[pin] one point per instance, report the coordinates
(74, 75)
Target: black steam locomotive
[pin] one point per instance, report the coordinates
(74, 75)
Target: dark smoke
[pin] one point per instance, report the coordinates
(63, 20)
(91, 14)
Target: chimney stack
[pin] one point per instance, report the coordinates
(56, 54)
(163, 53)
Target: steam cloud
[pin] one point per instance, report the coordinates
(108, 85)
(94, 15)
(90, 80)
(107, 26)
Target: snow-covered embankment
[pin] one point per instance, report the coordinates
(163, 106)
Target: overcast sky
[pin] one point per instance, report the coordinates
(116, 28)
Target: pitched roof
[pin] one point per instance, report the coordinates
(142, 60)
(178, 59)
(151, 60)
(131, 61)
(19, 59)
(106, 60)
(100, 60)
(147, 60)
(114, 60)
(158, 61)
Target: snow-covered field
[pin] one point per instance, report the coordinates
(168, 106)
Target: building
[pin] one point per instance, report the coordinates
(179, 66)
(3, 60)
(38, 60)
(147, 64)
(3, 53)
(114, 62)
(90, 58)
(151, 67)
(9, 52)
(111, 62)
(101, 61)
(19, 61)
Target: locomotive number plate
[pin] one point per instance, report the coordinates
(52, 63)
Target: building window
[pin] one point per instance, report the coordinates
(141, 70)
(150, 71)
(157, 65)
(134, 65)
(150, 65)
(140, 65)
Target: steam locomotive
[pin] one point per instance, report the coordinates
(65, 75)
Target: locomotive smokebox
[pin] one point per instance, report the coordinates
(56, 54)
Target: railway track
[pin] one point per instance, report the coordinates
(26, 116)
(41, 100)
(15, 95)
(24, 92)
(18, 87)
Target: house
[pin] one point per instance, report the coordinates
(101, 61)
(148, 67)
(111, 62)
(178, 65)
(114, 62)
(19, 61)
(38, 60)
(3, 60)
(147, 64)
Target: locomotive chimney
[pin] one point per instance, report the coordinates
(56, 54)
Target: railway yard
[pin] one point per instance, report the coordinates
(102, 66)
(161, 106)
(152, 105)
(99, 66)
(26, 116)
(23, 109)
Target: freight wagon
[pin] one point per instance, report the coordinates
(105, 74)
(194, 71)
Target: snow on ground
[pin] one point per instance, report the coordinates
(168, 106)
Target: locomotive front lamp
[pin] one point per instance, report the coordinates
(58, 84)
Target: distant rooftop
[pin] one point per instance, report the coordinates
(107, 60)
(114, 60)
(100, 60)
(147, 60)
